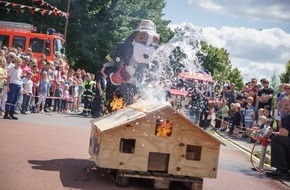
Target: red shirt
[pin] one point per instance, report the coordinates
(253, 89)
(35, 79)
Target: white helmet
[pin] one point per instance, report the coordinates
(147, 25)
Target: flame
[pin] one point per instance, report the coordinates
(164, 128)
(117, 103)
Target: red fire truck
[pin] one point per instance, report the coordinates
(24, 36)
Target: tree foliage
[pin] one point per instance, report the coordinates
(218, 63)
(275, 85)
(285, 77)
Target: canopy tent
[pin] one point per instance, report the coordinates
(201, 77)
(178, 92)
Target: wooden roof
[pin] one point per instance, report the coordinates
(127, 114)
(136, 111)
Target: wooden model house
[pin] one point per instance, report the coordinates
(153, 138)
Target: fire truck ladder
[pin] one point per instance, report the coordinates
(18, 26)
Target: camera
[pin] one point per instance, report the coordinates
(57, 68)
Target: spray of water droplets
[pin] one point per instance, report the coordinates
(180, 54)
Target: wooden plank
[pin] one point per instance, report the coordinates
(144, 173)
(161, 176)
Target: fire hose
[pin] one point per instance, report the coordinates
(262, 136)
(264, 143)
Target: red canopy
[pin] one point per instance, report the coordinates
(178, 92)
(201, 77)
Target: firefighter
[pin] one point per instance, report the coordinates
(98, 103)
(88, 94)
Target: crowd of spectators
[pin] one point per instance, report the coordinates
(39, 86)
(238, 113)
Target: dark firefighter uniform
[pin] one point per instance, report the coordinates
(88, 94)
(98, 103)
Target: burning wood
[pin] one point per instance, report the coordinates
(117, 103)
(164, 128)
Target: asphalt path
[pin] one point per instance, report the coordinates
(50, 151)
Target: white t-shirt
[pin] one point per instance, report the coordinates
(15, 75)
(9, 66)
(28, 84)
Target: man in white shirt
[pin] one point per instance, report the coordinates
(13, 88)
(9, 64)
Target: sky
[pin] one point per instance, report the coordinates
(256, 33)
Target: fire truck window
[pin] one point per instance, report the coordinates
(18, 42)
(163, 127)
(127, 145)
(36, 45)
(4, 41)
(58, 47)
(47, 47)
(193, 152)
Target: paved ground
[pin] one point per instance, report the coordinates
(49, 151)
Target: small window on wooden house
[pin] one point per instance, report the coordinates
(163, 127)
(193, 152)
(127, 145)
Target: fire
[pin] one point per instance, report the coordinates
(117, 103)
(164, 128)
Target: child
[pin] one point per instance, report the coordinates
(263, 123)
(44, 86)
(3, 76)
(36, 80)
(71, 90)
(225, 115)
(249, 115)
(218, 112)
(75, 97)
(57, 94)
(231, 116)
(27, 92)
(237, 119)
(79, 93)
(65, 97)
(260, 113)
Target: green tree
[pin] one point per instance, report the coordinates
(218, 63)
(275, 85)
(285, 77)
(235, 77)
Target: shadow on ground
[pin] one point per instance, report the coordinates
(83, 174)
(76, 173)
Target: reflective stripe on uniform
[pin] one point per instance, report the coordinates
(108, 57)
